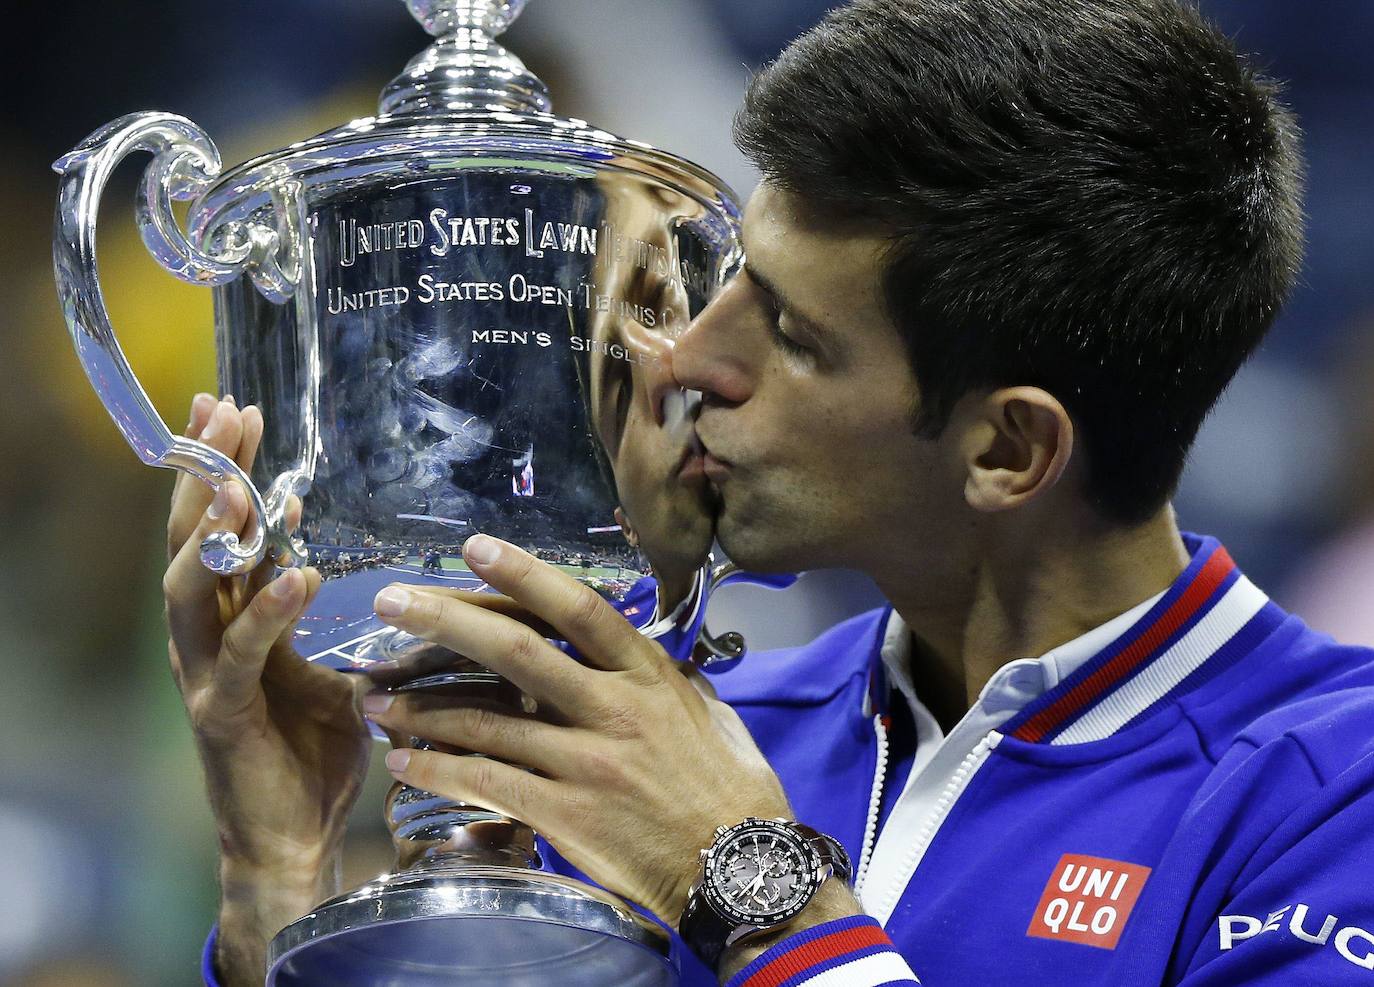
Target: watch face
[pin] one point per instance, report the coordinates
(760, 873)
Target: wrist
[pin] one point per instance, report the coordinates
(247, 889)
(833, 900)
(257, 902)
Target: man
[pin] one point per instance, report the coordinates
(1005, 257)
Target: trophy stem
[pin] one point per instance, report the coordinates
(429, 829)
(432, 830)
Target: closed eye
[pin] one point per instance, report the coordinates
(786, 342)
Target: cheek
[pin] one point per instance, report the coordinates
(640, 472)
(864, 426)
(629, 476)
(868, 448)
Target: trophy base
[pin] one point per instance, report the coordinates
(454, 925)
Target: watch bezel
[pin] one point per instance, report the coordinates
(725, 907)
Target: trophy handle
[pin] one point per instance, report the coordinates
(718, 651)
(185, 161)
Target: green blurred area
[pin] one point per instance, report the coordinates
(103, 816)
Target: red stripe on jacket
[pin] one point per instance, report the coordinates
(1137, 653)
(817, 951)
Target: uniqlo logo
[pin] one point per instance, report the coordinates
(1088, 900)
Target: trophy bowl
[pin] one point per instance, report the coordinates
(441, 311)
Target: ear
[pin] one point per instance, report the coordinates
(623, 519)
(1016, 446)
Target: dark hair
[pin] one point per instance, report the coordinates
(1096, 197)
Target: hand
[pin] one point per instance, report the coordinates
(632, 767)
(390, 674)
(282, 741)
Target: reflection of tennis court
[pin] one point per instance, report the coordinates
(341, 618)
(341, 621)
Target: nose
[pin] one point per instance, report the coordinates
(712, 355)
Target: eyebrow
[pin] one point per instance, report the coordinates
(780, 300)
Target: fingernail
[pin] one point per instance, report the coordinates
(285, 584)
(199, 404)
(221, 502)
(482, 549)
(377, 703)
(212, 427)
(397, 760)
(229, 399)
(391, 602)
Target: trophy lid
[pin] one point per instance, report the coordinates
(463, 101)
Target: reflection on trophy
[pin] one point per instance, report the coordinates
(455, 316)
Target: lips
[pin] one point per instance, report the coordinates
(690, 466)
(715, 468)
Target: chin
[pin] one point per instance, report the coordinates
(763, 549)
(685, 543)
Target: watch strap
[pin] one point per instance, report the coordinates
(704, 930)
(830, 850)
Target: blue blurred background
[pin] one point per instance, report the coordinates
(106, 846)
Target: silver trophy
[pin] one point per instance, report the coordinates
(440, 310)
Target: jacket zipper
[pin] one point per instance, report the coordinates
(875, 806)
(959, 781)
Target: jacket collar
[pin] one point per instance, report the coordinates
(1211, 608)
(1088, 688)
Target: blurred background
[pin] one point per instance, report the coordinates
(106, 845)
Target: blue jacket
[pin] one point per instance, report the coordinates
(1192, 806)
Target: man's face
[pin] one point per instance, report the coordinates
(808, 403)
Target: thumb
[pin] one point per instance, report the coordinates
(244, 648)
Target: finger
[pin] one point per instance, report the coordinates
(286, 666)
(294, 509)
(516, 738)
(250, 438)
(503, 645)
(191, 590)
(480, 781)
(223, 432)
(423, 660)
(268, 570)
(583, 619)
(237, 672)
(495, 602)
(426, 661)
(202, 405)
(313, 582)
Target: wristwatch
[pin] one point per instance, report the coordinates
(755, 876)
